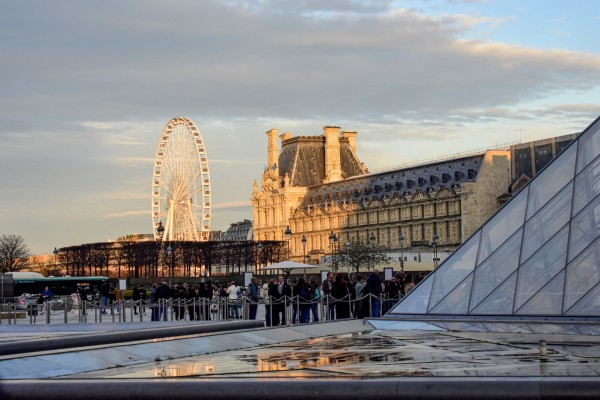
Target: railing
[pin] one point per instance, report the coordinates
(282, 311)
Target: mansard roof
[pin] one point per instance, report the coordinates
(302, 158)
(425, 178)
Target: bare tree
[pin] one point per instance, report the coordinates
(13, 253)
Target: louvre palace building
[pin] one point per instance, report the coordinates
(317, 186)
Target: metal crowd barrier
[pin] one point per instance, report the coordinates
(201, 309)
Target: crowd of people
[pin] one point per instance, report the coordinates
(302, 299)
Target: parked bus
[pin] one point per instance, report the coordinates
(15, 284)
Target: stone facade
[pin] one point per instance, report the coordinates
(317, 185)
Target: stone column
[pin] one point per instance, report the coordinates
(333, 168)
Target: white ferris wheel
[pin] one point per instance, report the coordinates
(181, 184)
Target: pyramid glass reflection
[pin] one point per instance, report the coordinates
(538, 256)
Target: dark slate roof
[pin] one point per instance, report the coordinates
(303, 159)
(421, 178)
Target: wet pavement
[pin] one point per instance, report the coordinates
(340, 350)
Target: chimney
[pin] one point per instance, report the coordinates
(351, 136)
(333, 167)
(273, 149)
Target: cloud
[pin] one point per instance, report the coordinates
(235, 204)
(126, 214)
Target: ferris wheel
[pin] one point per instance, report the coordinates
(181, 184)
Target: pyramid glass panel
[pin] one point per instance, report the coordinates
(538, 255)
(496, 269)
(583, 273)
(417, 300)
(502, 225)
(547, 301)
(589, 305)
(500, 301)
(455, 269)
(551, 181)
(589, 145)
(587, 186)
(547, 222)
(457, 301)
(541, 267)
(585, 228)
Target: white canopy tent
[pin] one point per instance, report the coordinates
(287, 266)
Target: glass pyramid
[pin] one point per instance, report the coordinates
(538, 256)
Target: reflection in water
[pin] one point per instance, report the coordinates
(308, 354)
(183, 368)
(328, 351)
(365, 356)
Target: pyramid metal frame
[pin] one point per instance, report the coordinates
(536, 258)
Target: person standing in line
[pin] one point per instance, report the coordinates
(315, 302)
(192, 297)
(163, 294)
(153, 303)
(339, 291)
(82, 294)
(327, 284)
(358, 288)
(233, 296)
(206, 295)
(280, 294)
(104, 290)
(252, 297)
(265, 290)
(305, 293)
(374, 289)
(118, 299)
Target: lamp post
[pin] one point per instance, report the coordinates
(348, 244)
(401, 239)
(259, 246)
(160, 231)
(55, 254)
(434, 244)
(303, 240)
(333, 240)
(288, 236)
(372, 239)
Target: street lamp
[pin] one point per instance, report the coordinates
(372, 239)
(259, 246)
(401, 239)
(288, 236)
(303, 240)
(55, 254)
(348, 244)
(160, 230)
(434, 243)
(333, 239)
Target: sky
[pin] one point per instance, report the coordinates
(86, 89)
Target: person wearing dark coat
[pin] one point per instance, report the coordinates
(280, 294)
(163, 294)
(374, 289)
(339, 291)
